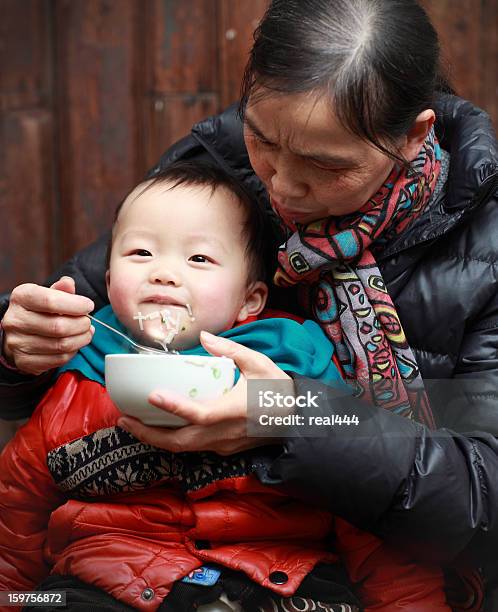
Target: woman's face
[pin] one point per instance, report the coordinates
(310, 164)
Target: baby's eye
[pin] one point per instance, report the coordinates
(141, 253)
(200, 259)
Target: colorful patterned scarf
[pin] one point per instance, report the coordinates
(334, 260)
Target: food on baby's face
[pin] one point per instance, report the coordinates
(190, 313)
(162, 326)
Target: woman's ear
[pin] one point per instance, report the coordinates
(256, 296)
(417, 134)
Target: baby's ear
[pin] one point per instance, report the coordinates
(256, 296)
(108, 279)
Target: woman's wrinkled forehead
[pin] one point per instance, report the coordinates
(303, 123)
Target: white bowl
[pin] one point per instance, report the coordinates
(131, 378)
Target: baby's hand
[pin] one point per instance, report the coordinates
(45, 327)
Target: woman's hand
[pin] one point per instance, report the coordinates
(45, 327)
(218, 425)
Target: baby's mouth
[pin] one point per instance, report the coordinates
(169, 320)
(164, 300)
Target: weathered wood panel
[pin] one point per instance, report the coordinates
(488, 93)
(237, 21)
(169, 118)
(181, 46)
(24, 73)
(103, 87)
(26, 197)
(458, 23)
(181, 70)
(97, 118)
(26, 153)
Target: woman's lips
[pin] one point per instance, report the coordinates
(288, 214)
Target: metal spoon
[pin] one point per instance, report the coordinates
(140, 347)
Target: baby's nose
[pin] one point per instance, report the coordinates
(164, 276)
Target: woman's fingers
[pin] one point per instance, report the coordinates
(41, 345)
(230, 406)
(218, 425)
(251, 363)
(65, 283)
(38, 364)
(27, 322)
(224, 438)
(36, 298)
(44, 327)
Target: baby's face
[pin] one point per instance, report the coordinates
(178, 260)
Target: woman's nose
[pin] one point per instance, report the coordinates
(286, 182)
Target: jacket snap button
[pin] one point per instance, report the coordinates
(278, 577)
(147, 594)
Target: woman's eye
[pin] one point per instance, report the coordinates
(141, 253)
(261, 141)
(200, 259)
(264, 143)
(322, 166)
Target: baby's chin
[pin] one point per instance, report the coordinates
(182, 342)
(155, 333)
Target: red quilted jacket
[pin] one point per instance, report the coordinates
(82, 497)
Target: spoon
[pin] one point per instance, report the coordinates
(140, 347)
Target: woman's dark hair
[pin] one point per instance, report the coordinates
(377, 59)
(254, 229)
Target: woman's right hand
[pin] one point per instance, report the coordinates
(45, 327)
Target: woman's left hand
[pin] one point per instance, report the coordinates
(217, 425)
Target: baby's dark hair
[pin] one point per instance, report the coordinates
(254, 230)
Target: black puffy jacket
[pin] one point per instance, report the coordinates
(436, 492)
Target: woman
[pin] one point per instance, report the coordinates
(345, 123)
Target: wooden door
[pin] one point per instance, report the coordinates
(92, 91)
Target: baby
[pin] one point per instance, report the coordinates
(198, 257)
(88, 509)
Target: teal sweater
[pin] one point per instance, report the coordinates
(301, 348)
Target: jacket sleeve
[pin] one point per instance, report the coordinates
(385, 578)
(20, 393)
(434, 493)
(27, 497)
(474, 388)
